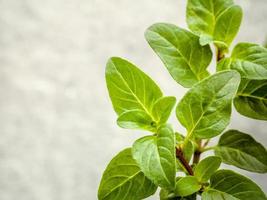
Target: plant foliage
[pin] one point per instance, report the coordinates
(205, 111)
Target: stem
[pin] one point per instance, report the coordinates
(180, 156)
(197, 153)
(220, 55)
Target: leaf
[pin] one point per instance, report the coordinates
(156, 157)
(206, 168)
(123, 179)
(214, 20)
(136, 119)
(251, 99)
(228, 185)
(250, 60)
(162, 109)
(166, 195)
(241, 150)
(180, 51)
(206, 108)
(187, 186)
(130, 89)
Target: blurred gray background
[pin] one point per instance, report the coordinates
(57, 127)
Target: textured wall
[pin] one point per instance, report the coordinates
(57, 126)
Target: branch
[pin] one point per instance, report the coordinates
(180, 156)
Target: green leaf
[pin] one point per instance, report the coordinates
(162, 109)
(251, 99)
(241, 150)
(166, 195)
(156, 157)
(206, 168)
(123, 179)
(130, 89)
(136, 119)
(186, 186)
(250, 60)
(205, 110)
(180, 51)
(214, 20)
(228, 185)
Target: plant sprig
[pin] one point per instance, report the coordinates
(205, 111)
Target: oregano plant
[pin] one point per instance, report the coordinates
(170, 161)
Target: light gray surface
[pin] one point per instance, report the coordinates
(57, 126)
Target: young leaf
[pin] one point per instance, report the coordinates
(136, 119)
(130, 88)
(162, 109)
(226, 184)
(241, 150)
(123, 179)
(206, 168)
(166, 195)
(186, 186)
(250, 60)
(180, 51)
(206, 108)
(156, 157)
(251, 99)
(214, 20)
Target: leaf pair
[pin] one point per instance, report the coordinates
(250, 60)
(135, 97)
(216, 21)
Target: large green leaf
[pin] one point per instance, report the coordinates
(205, 110)
(250, 60)
(162, 109)
(214, 20)
(186, 186)
(131, 89)
(228, 185)
(123, 179)
(251, 99)
(156, 157)
(180, 51)
(241, 150)
(206, 168)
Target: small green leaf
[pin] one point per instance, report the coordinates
(136, 119)
(166, 195)
(162, 109)
(123, 179)
(241, 150)
(186, 186)
(156, 157)
(228, 185)
(214, 20)
(251, 99)
(206, 168)
(250, 60)
(205, 110)
(131, 89)
(180, 51)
